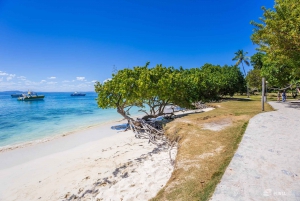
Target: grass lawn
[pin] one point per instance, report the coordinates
(270, 97)
(203, 154)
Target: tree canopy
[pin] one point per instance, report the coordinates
(241, 58)
(152, 89)
(278, 35)
(120, 92)
(256, 60)
(254, 78)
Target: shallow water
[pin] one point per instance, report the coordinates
(58, 113)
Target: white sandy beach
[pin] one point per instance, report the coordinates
(93, 164)
(118, 167)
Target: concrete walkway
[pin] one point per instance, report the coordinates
(266, 165)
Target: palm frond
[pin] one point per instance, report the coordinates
(247, 62)
(237, 56)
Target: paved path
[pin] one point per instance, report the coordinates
(266, 165)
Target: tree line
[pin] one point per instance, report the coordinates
(278, 38)
(155, 88)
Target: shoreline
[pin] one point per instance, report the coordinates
(67, 133)
(115, 166)
(54, 137)
(93, 163)
(59, 143)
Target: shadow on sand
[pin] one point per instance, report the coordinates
(95, 189)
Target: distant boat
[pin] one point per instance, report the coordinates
(77, 94)
(31, 96)
(16, 95)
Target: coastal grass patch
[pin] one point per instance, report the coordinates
(270, 97)
(204, 152)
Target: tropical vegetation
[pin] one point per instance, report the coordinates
(155, 88)
(278, 36)
(241, 58)
(277, 59)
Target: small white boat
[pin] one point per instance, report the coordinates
(31, 96)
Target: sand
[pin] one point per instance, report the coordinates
(98, 163)
(111, 168)
(266, 166)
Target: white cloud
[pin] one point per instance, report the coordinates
(51, 82)
(80, 78)
(10, 81)
(31, 83)
(108, 79)
(3, 73)
(22, 77)
(10, 76)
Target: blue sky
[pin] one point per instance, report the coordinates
(67, 45)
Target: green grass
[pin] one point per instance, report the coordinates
(195, 176)
(270, 97)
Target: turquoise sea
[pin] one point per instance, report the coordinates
(58, 113)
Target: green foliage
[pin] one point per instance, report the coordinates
(278, 35)
(277, 74)
(185, 86)
(256, 60)
(121, 92)
(156, 88)
(254, 78)
(232, 81)
(240, 57)
(160, 86)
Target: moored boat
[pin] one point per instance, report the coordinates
(16, 95)
(77, 94)
(31, 96)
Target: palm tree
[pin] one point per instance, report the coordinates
(241, 58)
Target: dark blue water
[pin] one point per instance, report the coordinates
(58, 113)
